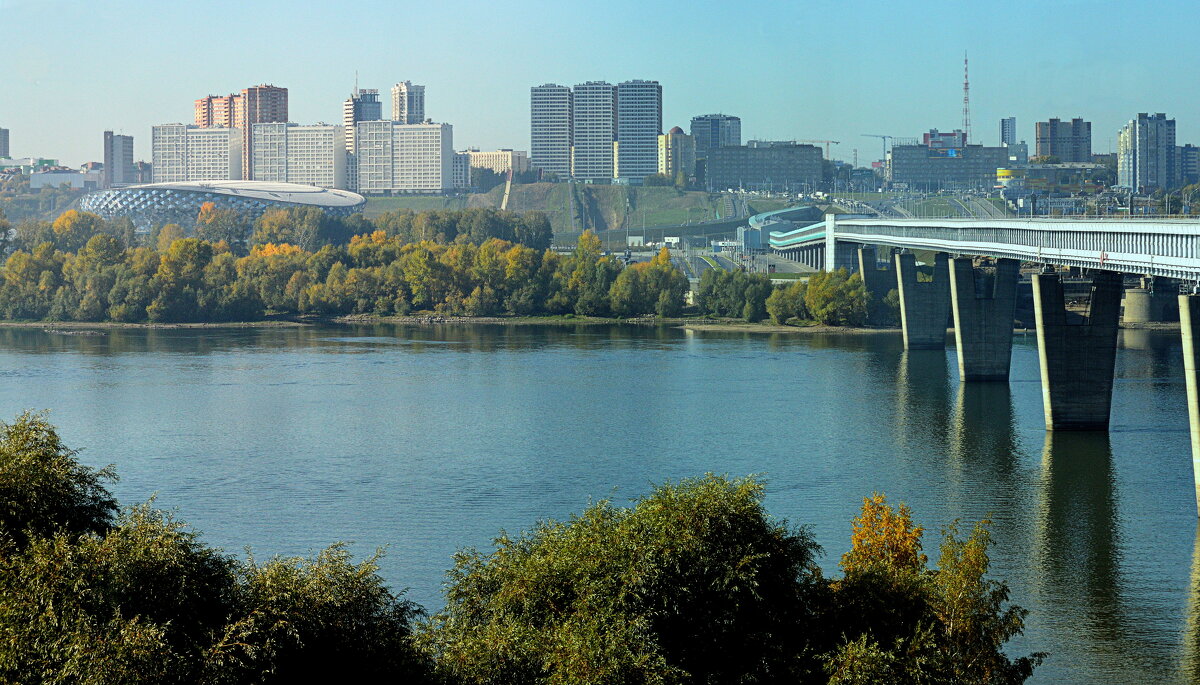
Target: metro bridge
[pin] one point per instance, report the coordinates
(1077, 353)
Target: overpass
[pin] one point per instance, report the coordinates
(1168, 248)
(1077, 352)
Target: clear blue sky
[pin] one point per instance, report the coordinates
(73, 68)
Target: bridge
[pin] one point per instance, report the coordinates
(1077, 352)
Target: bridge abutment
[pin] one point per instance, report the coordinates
(983, 306)
(924, 306)
(1189, 325)
(878, 282)
(1077, 354)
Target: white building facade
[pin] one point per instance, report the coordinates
(594, 134)
(639, 123)
(550, 129)
(310, 155)
(183, 153)
(396, 158)
(408, 103)
(1146, 153)
(500, 161)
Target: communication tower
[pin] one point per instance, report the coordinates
(966, 101)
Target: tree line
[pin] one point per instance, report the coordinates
(836, 298)
(692, 583)
(301, 261)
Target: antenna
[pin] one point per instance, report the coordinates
(356, 83)
(966, 102)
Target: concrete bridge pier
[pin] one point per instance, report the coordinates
(924, 306)
(983, 306)
(878, 282)
(1155, 300)
(1077, 353)
(1189, 325)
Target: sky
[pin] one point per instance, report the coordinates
(791, 70)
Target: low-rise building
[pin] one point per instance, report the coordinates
(500, 161)
(71, 178)
(922, 167)
(763, 165)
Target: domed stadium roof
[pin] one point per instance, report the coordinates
(292, 193)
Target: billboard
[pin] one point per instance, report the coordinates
(944, 152)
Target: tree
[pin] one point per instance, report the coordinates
(694, 583)
(43, 489)
(787, 303)
(837, 298)
(661, 180)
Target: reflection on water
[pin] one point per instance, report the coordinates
(424, 439)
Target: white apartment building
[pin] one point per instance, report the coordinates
(500, 161)
(408, 103)
(392, 157)
(639, 123)
(310, 155)
(550, 129)
(1146, 153)
(183, 152)
(594, 115)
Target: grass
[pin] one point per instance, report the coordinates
(711, 262)
(417, 203)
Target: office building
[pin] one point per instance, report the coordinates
(259, 104)
(396, 158)
(594, 131)
(676, 153)
(550, 129)
(183, 153)
(1008, 131)
(639, 123)
(1068, 141)
(308, 155)
(936, 140)
(4, 151)
(362, 105)
(928, 168)
(408, 103)
(118, 161)
(499, 161)
(762, 165)
(1146, 153)
(715, 130)
(1018, 153)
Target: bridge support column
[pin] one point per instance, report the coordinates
(1153, 301)
(830, 242)
(878, 282)
(1077, 354)
(1189, 324)
(983, 307)
(924, 306)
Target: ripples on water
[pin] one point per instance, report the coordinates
(426, 439)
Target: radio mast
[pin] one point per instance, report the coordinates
(966, 102)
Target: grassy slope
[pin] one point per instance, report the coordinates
(599, 207)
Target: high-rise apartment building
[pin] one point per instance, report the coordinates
(118, 161)
(1068, 141)
(408, 103)
(676, 153)
(594, 131)
(550, 129)
(1188, 161)
(310, 155)
(1146, 153)
(715, 130)
(362, 105)
(184, 153)
(1008, 131)
(5, 153)
(639, 123)
(460, 170)
(392, 157)
(259, 104)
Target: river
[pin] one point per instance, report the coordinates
(423, 440)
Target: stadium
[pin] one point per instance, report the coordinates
(155, 204)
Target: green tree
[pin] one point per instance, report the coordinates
(694, 583)
(787, 302)
(837, 298)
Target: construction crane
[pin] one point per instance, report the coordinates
(885, 142)
(826, 142)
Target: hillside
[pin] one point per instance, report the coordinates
(598, 207)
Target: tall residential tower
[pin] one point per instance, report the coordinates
(1146, 153)
(1069, 142)
(594, 119)
(118, 161)
(408, 103)
(716, 130)
(550, 129)
(639, 123)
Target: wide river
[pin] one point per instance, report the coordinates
(424, 440)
